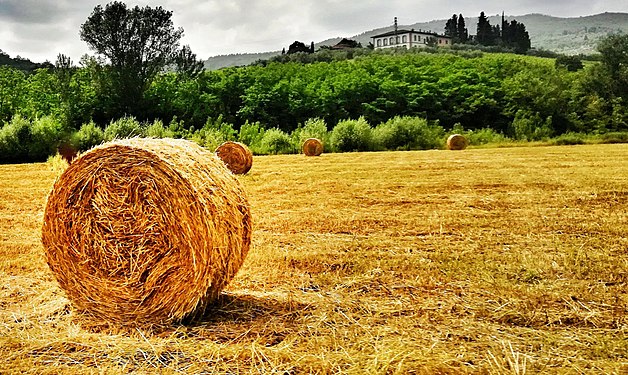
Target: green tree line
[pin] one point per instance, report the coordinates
(487, 90)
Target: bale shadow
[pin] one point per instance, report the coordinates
(244, 318)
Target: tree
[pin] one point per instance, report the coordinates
(451, 27)
(484, 32)
(137, 42)
(300, 47)
(187, 64)
(571, 63)
(514, 35)
(609, 80)
(614, 50)
(463, 33)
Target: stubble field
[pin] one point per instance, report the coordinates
(481, 261)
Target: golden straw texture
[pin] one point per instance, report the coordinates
(146, 231)
(236, 156)
(457, 142)
(312, 147)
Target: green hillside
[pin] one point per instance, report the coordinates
(576, 35)
(20, 63)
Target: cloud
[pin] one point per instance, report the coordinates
(41, 29)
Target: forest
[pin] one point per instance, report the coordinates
(406, 94)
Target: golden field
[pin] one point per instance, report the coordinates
(504, 261)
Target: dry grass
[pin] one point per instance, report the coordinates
(393, 264)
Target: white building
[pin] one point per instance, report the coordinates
(409, 39)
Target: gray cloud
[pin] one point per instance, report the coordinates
(39, 30)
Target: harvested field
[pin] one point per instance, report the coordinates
(506, 260)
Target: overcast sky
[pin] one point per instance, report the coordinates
(41, 29)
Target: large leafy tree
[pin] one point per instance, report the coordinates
(137, 43)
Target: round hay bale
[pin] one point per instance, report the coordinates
(237, 157)
(146, 231)
(457, 142)
(312, 147)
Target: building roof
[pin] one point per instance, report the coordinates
(403, 31)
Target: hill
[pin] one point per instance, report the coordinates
(575, 35)
(21, 63)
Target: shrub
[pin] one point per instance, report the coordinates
(15, 138)
(570, 139)
(571, 63)
(251, 134)
(352, 135)
(408, 133)
(531, 127)
(88, 136)
(614, 137)
(158, 130)
(484, 136)
(46, 135)
(126, 127)
(213, 133)
(313, 128)
(276, 141)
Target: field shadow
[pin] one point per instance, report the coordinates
(244, 318)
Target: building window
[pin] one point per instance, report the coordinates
(446, 42)
(404, 39)
(419, 38)
(392, 41)
(440, 41)
(385, 41)
(379, 42)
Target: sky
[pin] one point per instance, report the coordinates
(41, 29)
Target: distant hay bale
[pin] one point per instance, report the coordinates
(236, 156)
(146, 231)
(312, 147)
(457, 142)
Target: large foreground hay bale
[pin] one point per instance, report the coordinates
(236, 156)
(457, 142)
(312, 147)
(146, 231)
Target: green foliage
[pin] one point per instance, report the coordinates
(15, 138)
(23, 141)
(313, 128)
(158, 130)
(12, 83)
(571, 63)
(531, 127)
(352, 135)
(251, 134)
(88, 136)
(614, 137)
(484, 136)
(213, 134)
(276, 141)
(570, 138)
(46, 135)
(126, 127)
(408, 133)
(138, 42)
